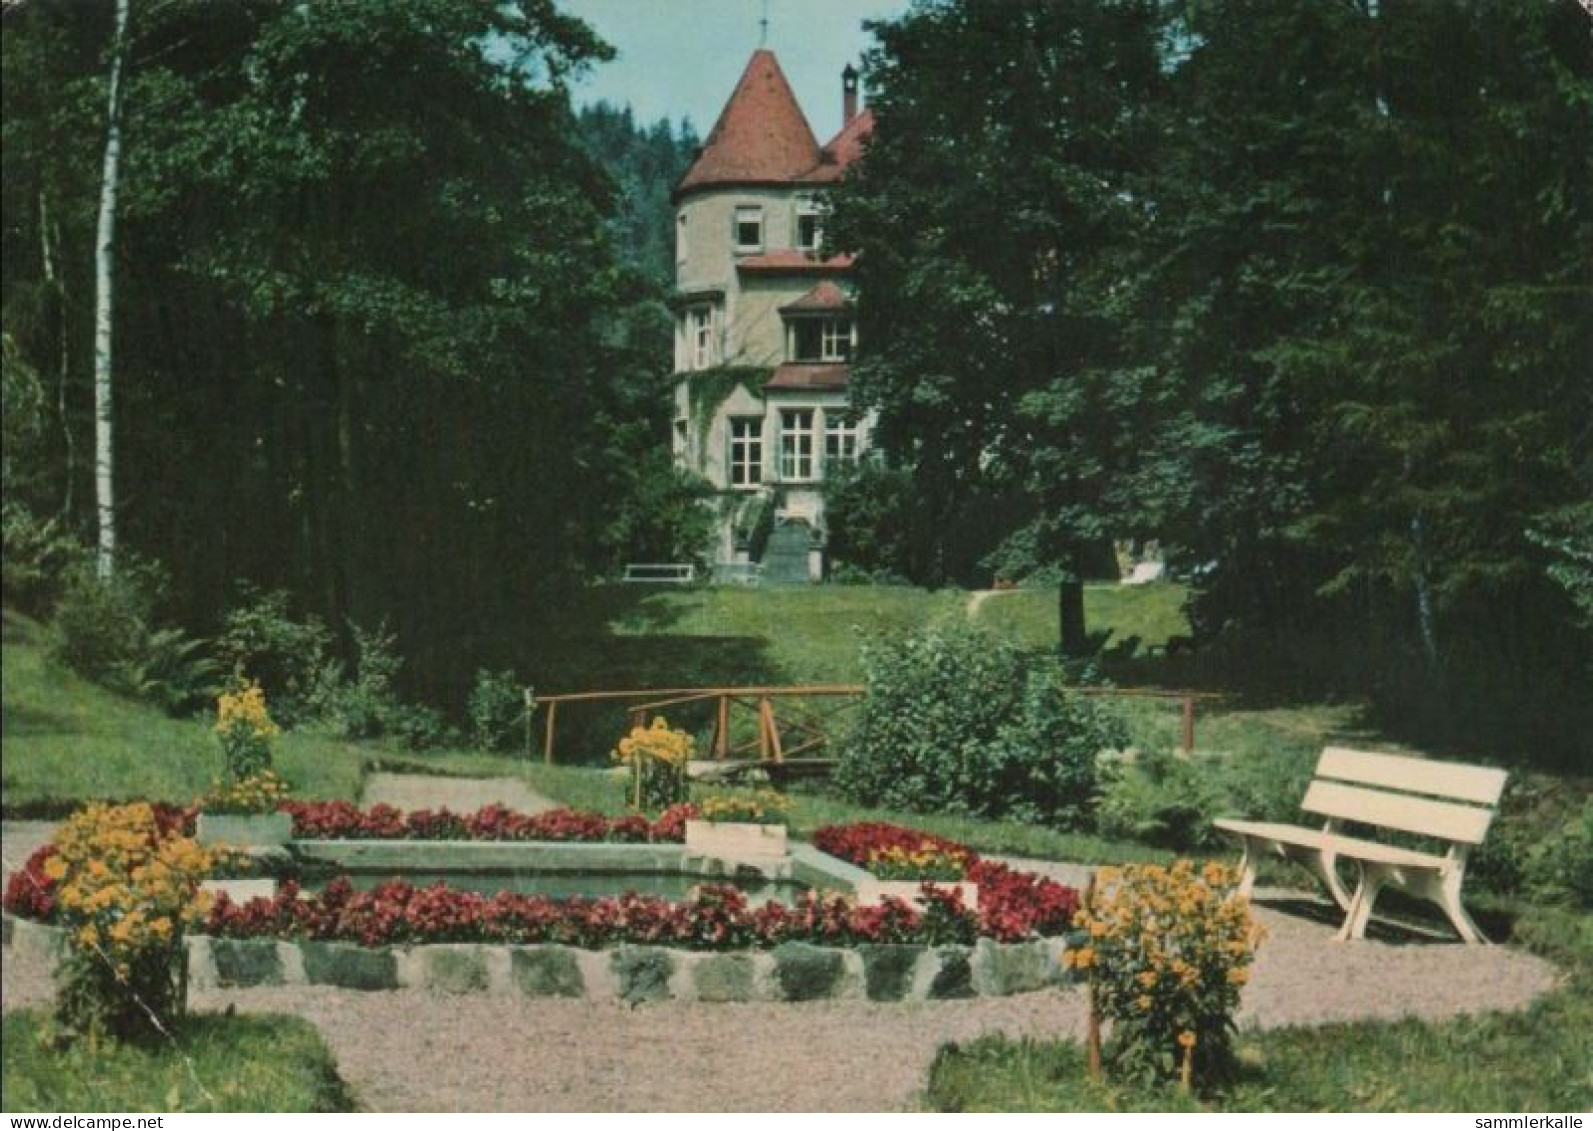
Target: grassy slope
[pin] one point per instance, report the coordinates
(68, 739)
(1540, 1059)
(218, 1064)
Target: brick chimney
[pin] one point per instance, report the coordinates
(848, 94)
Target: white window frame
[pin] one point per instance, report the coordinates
(700, 337)
(747, 214)
(833, 331)
(796, 446)
(833, 334)
(842, 439)
(808, 210)
(744, 468)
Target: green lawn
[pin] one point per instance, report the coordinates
(1539, 1059)
(630, 636)
(217, 1064)
(1152, 613)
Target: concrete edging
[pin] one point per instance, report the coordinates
(789, 972)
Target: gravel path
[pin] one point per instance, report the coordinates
(462, 795)
(410, 1050)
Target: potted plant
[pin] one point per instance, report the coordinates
(900, 873)
(739, 826)
(244, 813)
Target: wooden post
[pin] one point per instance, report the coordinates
(1189, 724)
(722, 732)
(763, 728)
(1092, 1038)
(774, 732)
(530, 712)
(547, 739)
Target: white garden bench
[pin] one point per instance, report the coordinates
(654, 573)
(1441, 801)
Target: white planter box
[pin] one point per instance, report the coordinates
(877, 891)
(735, 840)
(245, 830)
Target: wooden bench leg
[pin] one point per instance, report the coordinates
(1449, 900)
(1373, 879)
(1326, 870)
(1247, 867)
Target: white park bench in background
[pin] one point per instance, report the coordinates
(670, 573)
(1441, 801)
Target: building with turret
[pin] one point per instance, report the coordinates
(764, 326)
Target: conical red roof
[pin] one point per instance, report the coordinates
(761, 137)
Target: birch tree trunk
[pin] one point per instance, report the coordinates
(104, 244)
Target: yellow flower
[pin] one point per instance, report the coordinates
(1186, 1039)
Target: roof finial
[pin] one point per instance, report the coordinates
(763, 26)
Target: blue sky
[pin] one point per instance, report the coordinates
(681, 58)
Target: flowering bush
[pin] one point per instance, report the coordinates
(245, 728)
(765, 807)
(715, 918)
(1013, 905)
(657, 756)
(1168, 951)
(263, 792)
(341, 820)
(127, 887)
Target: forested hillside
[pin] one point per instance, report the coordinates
(384, 336)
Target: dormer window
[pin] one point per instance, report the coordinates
(749, 229)
(822, 339)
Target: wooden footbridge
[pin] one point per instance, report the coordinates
(787, 726)
(787, 730)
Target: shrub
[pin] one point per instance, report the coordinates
(102, 623)
(1167, 951)
(290, 658)
(1559, 868)
(657, 757)
(955, 721)
(128, 888)
(1161, 799)
(170, 670)
(367, 706)
(37, 554)
(497, 706)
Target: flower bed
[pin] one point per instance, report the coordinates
(717, 918)
(1013, 905)
(340, 820)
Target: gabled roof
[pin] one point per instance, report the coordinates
(761, 136)
(842, 149)
(825, 377)
(822, 298)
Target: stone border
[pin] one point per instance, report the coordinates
(789, 972)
